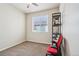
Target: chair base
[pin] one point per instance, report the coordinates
(48, 54)
(58, 54)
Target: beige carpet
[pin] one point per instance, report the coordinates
(26, 49)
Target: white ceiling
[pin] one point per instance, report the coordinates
(32, 8)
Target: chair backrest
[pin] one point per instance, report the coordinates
(59, 41)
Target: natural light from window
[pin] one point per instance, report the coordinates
(40, 23)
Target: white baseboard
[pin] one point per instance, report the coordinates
(20, 43)
(39, 42)
(12, 45)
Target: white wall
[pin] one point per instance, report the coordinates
(12, 26)
(40, 37)
(70, 28)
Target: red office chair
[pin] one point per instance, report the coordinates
(55, 50)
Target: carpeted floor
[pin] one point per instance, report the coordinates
(26, 49)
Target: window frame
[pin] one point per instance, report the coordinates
(46, 26)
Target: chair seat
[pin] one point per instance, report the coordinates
(52, 50)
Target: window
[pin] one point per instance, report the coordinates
(40, 23)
